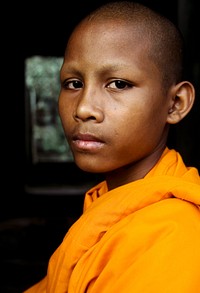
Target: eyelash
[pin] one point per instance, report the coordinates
(120, 84)
(77, 84)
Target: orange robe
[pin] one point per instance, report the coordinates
(143, 237)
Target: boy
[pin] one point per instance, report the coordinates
(122, 87)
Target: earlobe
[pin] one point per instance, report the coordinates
(181, 102)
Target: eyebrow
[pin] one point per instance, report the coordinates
(72, 68)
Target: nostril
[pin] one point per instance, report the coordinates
(88, 112)
(83, 118)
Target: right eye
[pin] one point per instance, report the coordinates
(72, 84)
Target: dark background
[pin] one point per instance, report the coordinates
(32, 225)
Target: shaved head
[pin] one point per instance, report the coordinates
(159, 34)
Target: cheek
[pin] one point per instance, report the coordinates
(65, 113)
(141, 130)
(61, 106)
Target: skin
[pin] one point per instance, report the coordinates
(114, 110)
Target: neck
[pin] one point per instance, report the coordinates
(134, 171)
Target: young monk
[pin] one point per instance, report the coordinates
(121, 89)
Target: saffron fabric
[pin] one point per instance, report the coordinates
(140, 237)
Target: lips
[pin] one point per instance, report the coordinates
(87, 142)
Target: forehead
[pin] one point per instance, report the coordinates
(102, 29)
(116, 37)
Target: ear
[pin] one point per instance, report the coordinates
(181, 101)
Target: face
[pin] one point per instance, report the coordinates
(111, 103)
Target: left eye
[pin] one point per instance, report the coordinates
(119, 84)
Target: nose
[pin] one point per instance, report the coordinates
(89, 107)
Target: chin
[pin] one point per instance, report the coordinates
(89, 167)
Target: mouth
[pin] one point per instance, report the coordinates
(87, 142)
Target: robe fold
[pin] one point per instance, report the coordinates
(142, 237)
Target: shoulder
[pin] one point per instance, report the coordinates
(173, 219)
(181, 211)
(172, 212)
